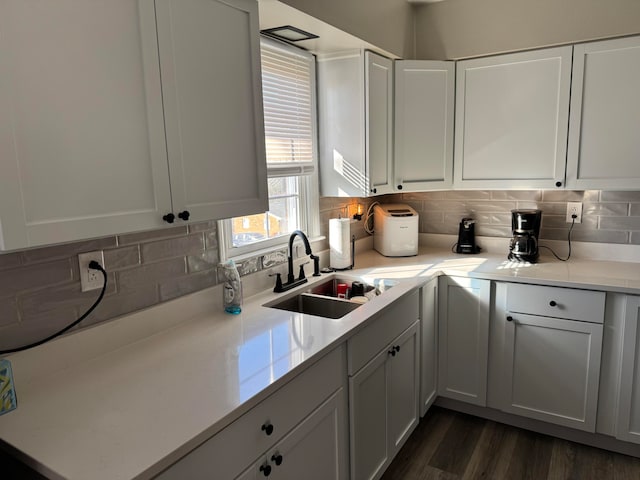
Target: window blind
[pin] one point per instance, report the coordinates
(288, 80)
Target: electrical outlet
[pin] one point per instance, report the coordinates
(90, 279)
(574, 208)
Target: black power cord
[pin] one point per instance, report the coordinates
(573, 222)
(94, 266)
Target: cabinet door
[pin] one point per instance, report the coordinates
(551, 369)
(315, 449)
(429, 346)
(403, 384)
(379, 122)
(211, 87)
(82, 148)
(512, 113)
(628, 427)
(368, 407)
(605, 114)
(463, 332)
(424, 96)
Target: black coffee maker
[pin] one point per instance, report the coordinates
(526, 230)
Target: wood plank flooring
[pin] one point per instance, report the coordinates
(449, 445)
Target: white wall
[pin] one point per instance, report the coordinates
(385, 23)
(464, 28)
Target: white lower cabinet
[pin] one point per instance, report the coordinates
(551, 354)
(463, 333)
(383, 392)
(313, 449)
(428, 345)
(300, 431)
(628, 425)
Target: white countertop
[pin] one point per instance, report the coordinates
(128, 398)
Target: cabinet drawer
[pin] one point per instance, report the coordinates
(583, 305)
(229, 452)
(387, 326)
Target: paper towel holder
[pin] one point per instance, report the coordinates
(353, 257)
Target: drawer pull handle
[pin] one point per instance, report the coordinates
(277, 459)
(267, 428)
(265, 469)
(552, 303)
(509, 318)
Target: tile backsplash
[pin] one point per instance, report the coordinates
(40, 288)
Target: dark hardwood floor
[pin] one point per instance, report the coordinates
(449, 445)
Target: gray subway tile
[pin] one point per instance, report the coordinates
(597, 236)
(440, 228)
(250, 265)
(211, 240)
(124, 302)
(422, 196)
(468, 195)
(518, 195)
(34, 329)
(493, 231)
(203, 226)
(151, 273)
(124, 257)
(560, 221)
(549, 208)
(170, 248)
(36, 276)
(634, 209)
(634, 238)
(526, 205)
(448, 206)
(176, 287)
(620, 223)
(8, 312)
(605, 209)
(151, 235)
(491, 206)
(207, 260)
(67, 250)
(613, 196)
(570, 195)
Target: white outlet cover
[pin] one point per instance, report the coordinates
(574, 207)
(90, 279)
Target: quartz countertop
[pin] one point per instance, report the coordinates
(128, 398)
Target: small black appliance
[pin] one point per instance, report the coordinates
(526, 230)
(467, 237)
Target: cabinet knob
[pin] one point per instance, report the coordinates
(399, 187)
(276, 458)
(509, 318)
(267, 428)
(558, 184)
(392, 352)
(374, 190)
(265, 469)
(397, 347)
(552, 303)
(184, 215)
(169, 218)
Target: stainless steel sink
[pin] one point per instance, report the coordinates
(321, 300)
(318, 305)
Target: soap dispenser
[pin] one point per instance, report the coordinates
(232, 288)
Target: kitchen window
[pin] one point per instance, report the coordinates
(289, 97)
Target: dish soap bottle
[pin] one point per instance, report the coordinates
(232, 288)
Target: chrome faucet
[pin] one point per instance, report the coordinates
(291, 280)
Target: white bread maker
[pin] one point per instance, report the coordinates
(395, 230)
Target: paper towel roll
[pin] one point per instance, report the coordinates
(340, 243)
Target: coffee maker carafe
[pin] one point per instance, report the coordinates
(526, 230)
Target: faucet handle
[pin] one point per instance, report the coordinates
(301, 275)
(278, 287)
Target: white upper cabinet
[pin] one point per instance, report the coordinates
(83, 150)
(512, 114)
(355, 115)
(81, 130)
(604, 145)
(424, 101)
(211, 86)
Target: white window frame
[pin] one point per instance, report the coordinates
(308, 184)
